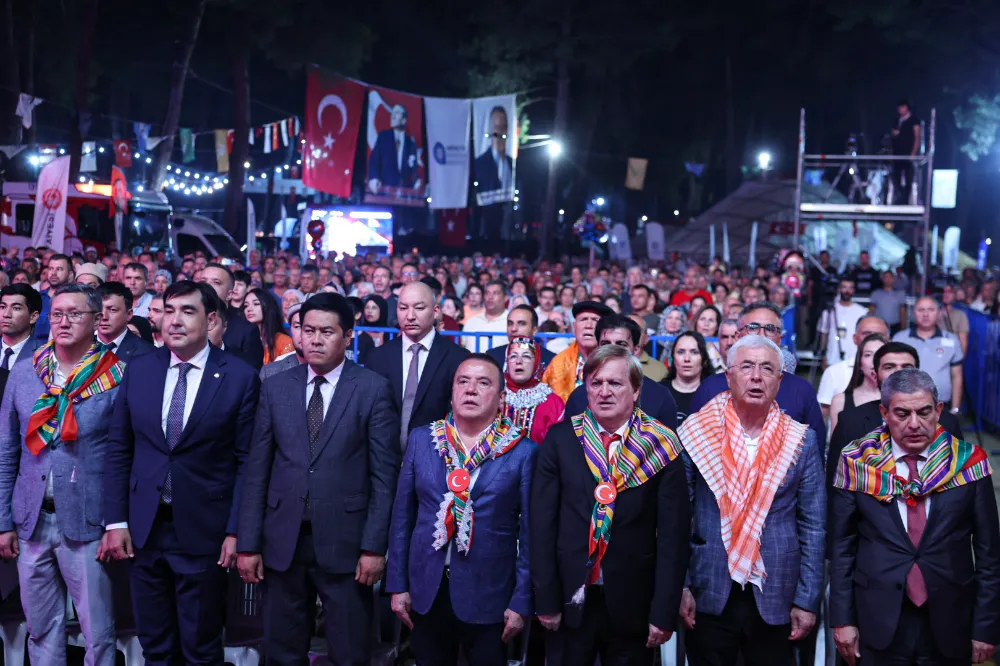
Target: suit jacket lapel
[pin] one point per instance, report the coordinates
(435, 355)
(211, 379)
(157, 386)
(341, 397)
(294, 391)
(487, 472)
(396, 367)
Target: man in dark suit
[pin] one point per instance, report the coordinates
(856, 422)
(393, 162)
(522, 322)
(20, 307)
(113, 329)
(494, 169)
(458, 588)
(324, 461)
(915, 564)
(173, 477)
(654, 399)
(419, 364)
(608, 575)
(242, 338)
(796, 396)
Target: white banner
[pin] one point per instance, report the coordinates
(949, 253)
(284, 227)
(49, 227)
(753, 247)
(725, 244)
(711, 243)
(495, 134)
(620, 248)
(88, 158)
(655, 248)
(448, 139)
(934, 245)
(251, 229)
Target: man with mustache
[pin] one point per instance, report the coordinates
(565, 372)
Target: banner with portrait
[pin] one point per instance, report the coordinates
(396, 167)
(448, 139)
(494, 133)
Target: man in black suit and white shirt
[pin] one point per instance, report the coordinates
(424, 395)
(113, 329)
(242, 338)
(324, 460)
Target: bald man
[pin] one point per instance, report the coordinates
(940, 351)
(420, 364)
(836, 377)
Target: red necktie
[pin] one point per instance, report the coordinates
(607, 439)
(916, 521)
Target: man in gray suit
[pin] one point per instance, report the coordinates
(756, 479)
(292, 360)
(320, 480)
(20, 306)
(51, 479)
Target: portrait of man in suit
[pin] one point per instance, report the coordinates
(174, 475)
(324, 461)
(915, 538)
(494, 168)
(393, 161)
(419, 363)
(757, 548)
(457, 587)
(113, 329)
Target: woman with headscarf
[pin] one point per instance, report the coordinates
(531, 405)
(161, 280)
(376, 313)
(673, 322)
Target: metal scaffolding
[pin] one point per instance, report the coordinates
(868, 175)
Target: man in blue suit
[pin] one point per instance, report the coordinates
(53, 440)
(756, 480)
(179, 439)
(393, 162)
(458, 548)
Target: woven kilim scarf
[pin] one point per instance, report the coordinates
(647, 448)
(867, 466)
(98, 371)
(744, 490)
(455, 517)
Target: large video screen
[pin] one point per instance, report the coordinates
(354, 231)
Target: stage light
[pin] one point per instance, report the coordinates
(676, 213)
(764, 161)
(599, 201)
(555, 149)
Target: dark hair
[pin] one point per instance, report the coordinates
(357, 305)
(144, 327)
(309, 268)
(499, 109)
(706, 362)
(904, 102)
(242, 276)
(649, 292)
(271, 322)
(383, 311)
(496, 283)
(615, 321)
(19, 271)
(522, 281)
(486, 358)
(531, 310)
(222, 310)
(857, 378)
(144, 254)
(228, 272)
(548, 326)
(895, 348)
(457, 302)
(762, 305)
(136, 266)
(31, 297)
(433, 283)
(718, 316)
(544, 289)
(34, 262)
(474, 285)
(334, 303)
(61, 257)
(209, 299)
(109, 289)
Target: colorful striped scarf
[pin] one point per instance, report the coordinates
(744, 491)
(647, 448)
(565, 372)
(456, 506)
(98, 371)
(868, 466)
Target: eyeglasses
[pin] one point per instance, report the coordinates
(410, 274)
(767, 329)
(766, 369)
(74, 317)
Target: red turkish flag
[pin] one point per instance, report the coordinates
(452, 223)
(333, 119)
(123, 153)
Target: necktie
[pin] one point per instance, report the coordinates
(314, 415)
(608, 439)
(410, 392)
(916, 521)
(6, 358)
(175, 423)
(113, 346)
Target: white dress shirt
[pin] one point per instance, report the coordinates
(141, 306)
(327, 388)
(473, 475)
(117, 342)
(903, 470)
(426, 341)
(17, 350)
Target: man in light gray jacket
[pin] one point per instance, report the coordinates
(54, 423)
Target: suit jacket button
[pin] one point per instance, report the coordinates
(311, 470)
(43, 477)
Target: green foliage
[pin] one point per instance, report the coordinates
(980, 119)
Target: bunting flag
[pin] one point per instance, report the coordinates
(123, 153)
(187, 145)
(153, 141)
(222, 148)
(635, 175)
(88, 158)
(267, 139)
(141, 136)
(26, 109)
(284, 132)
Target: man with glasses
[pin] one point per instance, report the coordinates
(53, 446)
(795, 395)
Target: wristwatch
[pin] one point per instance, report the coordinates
(954, 410)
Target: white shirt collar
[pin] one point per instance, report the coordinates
(426, 341)
(331, 377)
(117, 342)
(16, 347)
(898, 453)
(620, 431)
(198, 360)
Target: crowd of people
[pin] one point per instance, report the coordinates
(324, 426)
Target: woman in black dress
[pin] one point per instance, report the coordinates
(689, 365)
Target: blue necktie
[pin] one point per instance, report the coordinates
(175, 423)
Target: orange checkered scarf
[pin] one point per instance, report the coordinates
(713, 438)
(565, 372)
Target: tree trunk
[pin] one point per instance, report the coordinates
(178, 78)
(87, 29)
(559, 125)
(732, 157)
(234, 191)
(12, 77)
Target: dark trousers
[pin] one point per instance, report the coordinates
(179, 600)
(581, 645)
(902, 182)
(288, 595)
(912, 644)
(717, 640)
(438, 635)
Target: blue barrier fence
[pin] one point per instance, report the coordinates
(982, 368)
